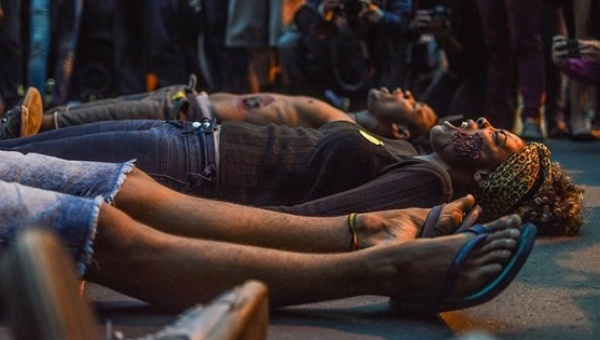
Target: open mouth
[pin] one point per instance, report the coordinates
(453, 119)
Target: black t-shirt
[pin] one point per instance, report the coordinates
(333, 170)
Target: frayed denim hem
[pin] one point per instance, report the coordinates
(125, 169)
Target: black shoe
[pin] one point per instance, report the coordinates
(41, 290)
(25, 119)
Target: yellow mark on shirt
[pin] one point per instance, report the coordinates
(178, 95)
(371, 138)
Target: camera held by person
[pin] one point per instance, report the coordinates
(564, 48)
(433, 20)
(352, 10)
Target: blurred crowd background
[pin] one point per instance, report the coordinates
(473, 58)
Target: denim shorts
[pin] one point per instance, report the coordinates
(64, 196)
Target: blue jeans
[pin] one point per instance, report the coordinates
(179, 155)
(68, 35)
(39, 44)
(65, 196)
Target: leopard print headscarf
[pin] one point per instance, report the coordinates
(514, 181)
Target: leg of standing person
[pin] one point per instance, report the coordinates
(291, 56)
(39, 42)
(553, 24)
(438, 93)
(525, 18)
(164, 42)
(225, 66)
(65, 50)
(11, 53)
(578, 93)
(128, 39)
(494, 19)
(469, 98)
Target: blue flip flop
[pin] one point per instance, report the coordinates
(446, 302)
(433, 217)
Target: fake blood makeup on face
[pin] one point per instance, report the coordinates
(467, 146)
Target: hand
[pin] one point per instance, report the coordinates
(370, 11)
(330, 4)
(563, 49)
(559, 50)
(590, 49)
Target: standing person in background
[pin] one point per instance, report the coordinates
(583, 67)
(224, 68)
(170, 31)
(40, 26)
(65, 36)
(582, 97)
(456, 26)
(512, 30)
(11, 53)
(155, 43)
(256, 26)
(553, 23)
(345, 46)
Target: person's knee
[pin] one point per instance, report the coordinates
(135, 186)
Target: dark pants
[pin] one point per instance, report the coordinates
(151, 38)
(159, 104)
(455, 94)
(512, 30)
(11, 53)
(555, 97)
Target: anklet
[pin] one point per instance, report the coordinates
(352, 226)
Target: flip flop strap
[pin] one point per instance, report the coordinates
(478, 229)
(458, 262)
(431, 220)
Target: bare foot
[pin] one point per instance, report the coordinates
(414, 271)
(402, 225)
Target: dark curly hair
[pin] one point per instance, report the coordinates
(556, 208)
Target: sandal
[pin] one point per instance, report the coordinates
(433, 216)
(446, 302)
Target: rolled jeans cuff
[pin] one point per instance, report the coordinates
(77, 178)
(73, 219)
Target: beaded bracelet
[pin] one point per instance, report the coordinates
(352, 227)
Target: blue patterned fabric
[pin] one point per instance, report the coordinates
(64, 196)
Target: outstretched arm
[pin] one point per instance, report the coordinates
(265, 108)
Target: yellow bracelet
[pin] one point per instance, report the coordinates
(352, 226)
